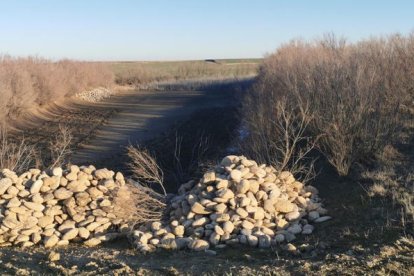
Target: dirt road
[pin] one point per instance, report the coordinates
(143, 115)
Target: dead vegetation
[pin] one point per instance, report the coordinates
(140, 74)
(352, 94)
(19, 154)
(144, 167)
(15, 155)
(138, 204)
(345, 103)
(33, 81)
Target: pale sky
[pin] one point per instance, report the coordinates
(184, 29)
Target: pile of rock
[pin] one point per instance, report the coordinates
(237, 202)
(58, 206)
(95, 95)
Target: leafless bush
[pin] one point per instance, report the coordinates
(353, 94)
(30, 82)
(15, 156)
(277, 135)
(138, 205)
(144, 167)
(60, 146)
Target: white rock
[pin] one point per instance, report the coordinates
(322, 219)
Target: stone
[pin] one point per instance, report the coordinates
(105, 203)
(295, 229)
(72, 176)
(62, 194)
(92, 242)
(313, 215)
(57, 172)
(50, 241)
(54, 256)
(252, 240)
(258, 214)
(84, 233)
(199, 245)
(236, 175)
(76, 186)
(104, 174)
(209, 177)
(292, 215)
(71, 234)
(197, 208)
(279, 238)
(322, 219)
(45, 221)
(307, 229)
(222, 184)
(284, 206)
(242, 212)
(179, 231)
(5, 183)
(290, 247)
(268, 206)
(14, 202)
(219, 230)
(225, 194)
(155, 226)
(229, 160)
(200, 222)
(34, 206)
(228, 227)
(220, 208)
(247, 225)
(243, 187)
(12, 190)
(264, 241)
(37, 198)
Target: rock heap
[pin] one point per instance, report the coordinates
(95, 95)
(237, 202)
(59, 206)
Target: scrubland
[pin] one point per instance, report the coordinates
(347, 105)
(143, 73)
(32, 82)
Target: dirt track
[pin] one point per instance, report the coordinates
(141, 116)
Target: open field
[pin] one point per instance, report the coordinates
(142, 73)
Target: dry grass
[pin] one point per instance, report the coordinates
(354, 94)
(17, 156)
(141, 74)
(30, 82)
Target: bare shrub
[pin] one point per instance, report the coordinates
(16, 156)
(352, 92)
(60, 146)
(144, 167)
(33, 81)
(138, 205)
(277, 135)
